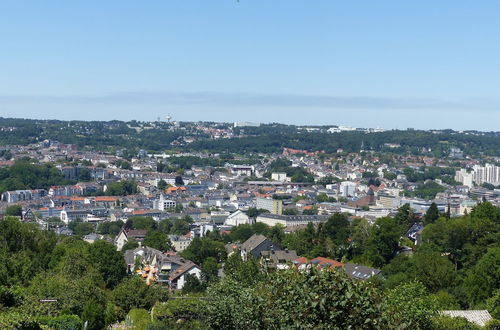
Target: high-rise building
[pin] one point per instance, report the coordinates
(274, 206)
(479, 175)
(488, 173)
(464, 178)
(348, 189)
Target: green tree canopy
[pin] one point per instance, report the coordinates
(108, 262)
(432, 214)
(482, 280)
(14, 210)
(134, 293)
(157, 240)
(202, 248)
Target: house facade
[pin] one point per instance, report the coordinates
(237, 218)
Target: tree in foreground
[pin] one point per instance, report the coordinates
(293, 299)
(157, 240)
(410, 307)
(14, 210)
(133, 292)
(317, 299)
(192, 285)
(432, 214)
(108, 262)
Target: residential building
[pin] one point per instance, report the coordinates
(23, 195)
(164, 204)
(242, 170)
(414, 233)
(180, 242)
(290, 220)
(488, 173)
(361, 272)
(467, 206)
(237, 218)
(65, 191)
(388, 201)
(219, 217)
(464, 177)
(253, 246)
(347, 189)
(303, 263)
(274, 206)
(69, 215)
(280, 176)
(178, 278)
(277, 259)
(126, 235)
(164, 268)
(92, 238)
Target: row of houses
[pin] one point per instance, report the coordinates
(170, 269)
(272, 256)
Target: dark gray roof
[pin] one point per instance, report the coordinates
(280, 256)
(253, 242)
(360, 272)
(92, 237)
(414, 232)
(311, 218)
(185, 267)
(129, 257)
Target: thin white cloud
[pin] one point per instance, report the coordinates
(252, 100)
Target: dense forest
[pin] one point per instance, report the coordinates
(269, 138)
(26, 175)
(56, 282)
(273, 138)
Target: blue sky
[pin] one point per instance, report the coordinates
(393, 64)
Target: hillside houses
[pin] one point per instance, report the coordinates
(163, 268)
(125, 235)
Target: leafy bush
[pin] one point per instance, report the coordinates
(294, 299)
(62, 322)
(138, 318)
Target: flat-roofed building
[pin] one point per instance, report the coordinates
(290, 220)
(274, 206)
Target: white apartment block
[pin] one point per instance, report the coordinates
(347, 189)
(464, 178)
(164, 204)
(279, 177)
(479, 175)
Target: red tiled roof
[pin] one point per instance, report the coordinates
(301, 260)
(174, 189)
(319, 262)
(106, 199)
(333, 263)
